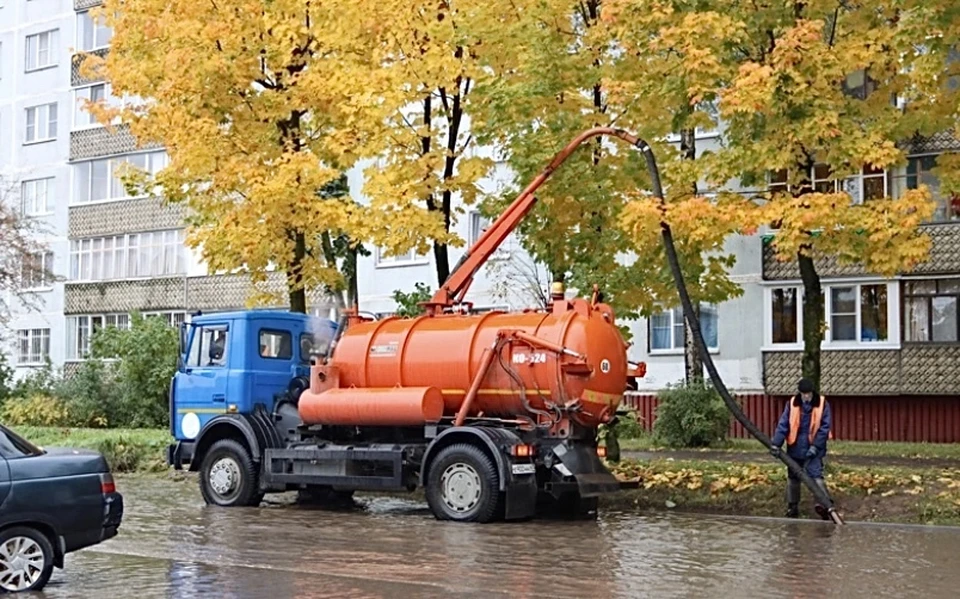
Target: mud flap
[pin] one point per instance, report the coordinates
(580, 462)
(520, 497)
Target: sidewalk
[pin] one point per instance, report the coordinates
(760, 458)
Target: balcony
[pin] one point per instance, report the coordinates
(124, 216)
(76, 79)
(98, 141)
(913, 370)
(207, 293)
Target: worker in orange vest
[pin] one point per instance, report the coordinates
(805, 426)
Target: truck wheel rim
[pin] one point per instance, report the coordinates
(21, 563)
(224, 476)
(461, 487)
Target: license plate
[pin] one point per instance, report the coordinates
(524, 469)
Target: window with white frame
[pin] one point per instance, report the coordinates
(80, 330)
(41, 123)
(478, 226)
(36, 196)
(173, 319)
(919, 172)
(93, 94)
(101, 180)
(785, 315)
(858, 313)
(870, 184)
(411, 257)
(36, 272)
(42, 49)
(33, 346)
(134, 255)
(92, 33)
(666, 329)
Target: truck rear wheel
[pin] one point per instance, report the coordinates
(228, 476)
(463, 485)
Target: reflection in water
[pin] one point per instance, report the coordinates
(171, 545)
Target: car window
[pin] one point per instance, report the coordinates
(209, 346)
(13, 445)
(276, 344)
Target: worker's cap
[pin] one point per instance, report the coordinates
(805, 386)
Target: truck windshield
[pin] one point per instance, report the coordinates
(13, 445)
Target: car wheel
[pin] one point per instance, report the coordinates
(463, 485)
(26, 559)
(228, 476)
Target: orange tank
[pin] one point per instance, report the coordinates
(376, 363)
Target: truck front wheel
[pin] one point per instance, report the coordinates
(463, 485)
(228, 476)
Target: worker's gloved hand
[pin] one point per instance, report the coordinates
(775, 451)
(811, 453)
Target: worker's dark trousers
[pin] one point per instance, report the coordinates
(814, 468)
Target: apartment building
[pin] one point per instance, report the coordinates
(889, 358)
(110, 253)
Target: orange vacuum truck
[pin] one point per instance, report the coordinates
(495, 415)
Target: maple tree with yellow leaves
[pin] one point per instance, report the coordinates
(780, 74)
(261, 106)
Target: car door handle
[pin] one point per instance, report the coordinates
(219, 397)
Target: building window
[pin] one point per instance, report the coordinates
(478, 226)
(42, 50)
(859, 84)
(80, 330)
(135, 255)
(92, 33)
(858, 312)
(41, 123)
(930, 311)
(100, 180)
(666, 329)
(173, 319)
(409, 258)
(919, 172)
(869, 184)
(93, 94)
(785, 314)
(33, 346)
(36, 196)
(35, 272)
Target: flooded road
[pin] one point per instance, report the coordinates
(171, 545)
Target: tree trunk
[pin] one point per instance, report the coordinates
(692, 364)
(813, 320)
(298, 295)
(353, 292)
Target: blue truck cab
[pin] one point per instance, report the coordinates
(239, 364)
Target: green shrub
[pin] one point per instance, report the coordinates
(146, 355)
(129, 455)
(629, 425)
(408, 304)
(93, 395)
(36, 410)
(690, 415)
(6, 379)
(40, 381)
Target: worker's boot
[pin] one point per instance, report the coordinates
(793, 498)
(823, 511)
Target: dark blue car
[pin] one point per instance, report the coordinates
(52, 502)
